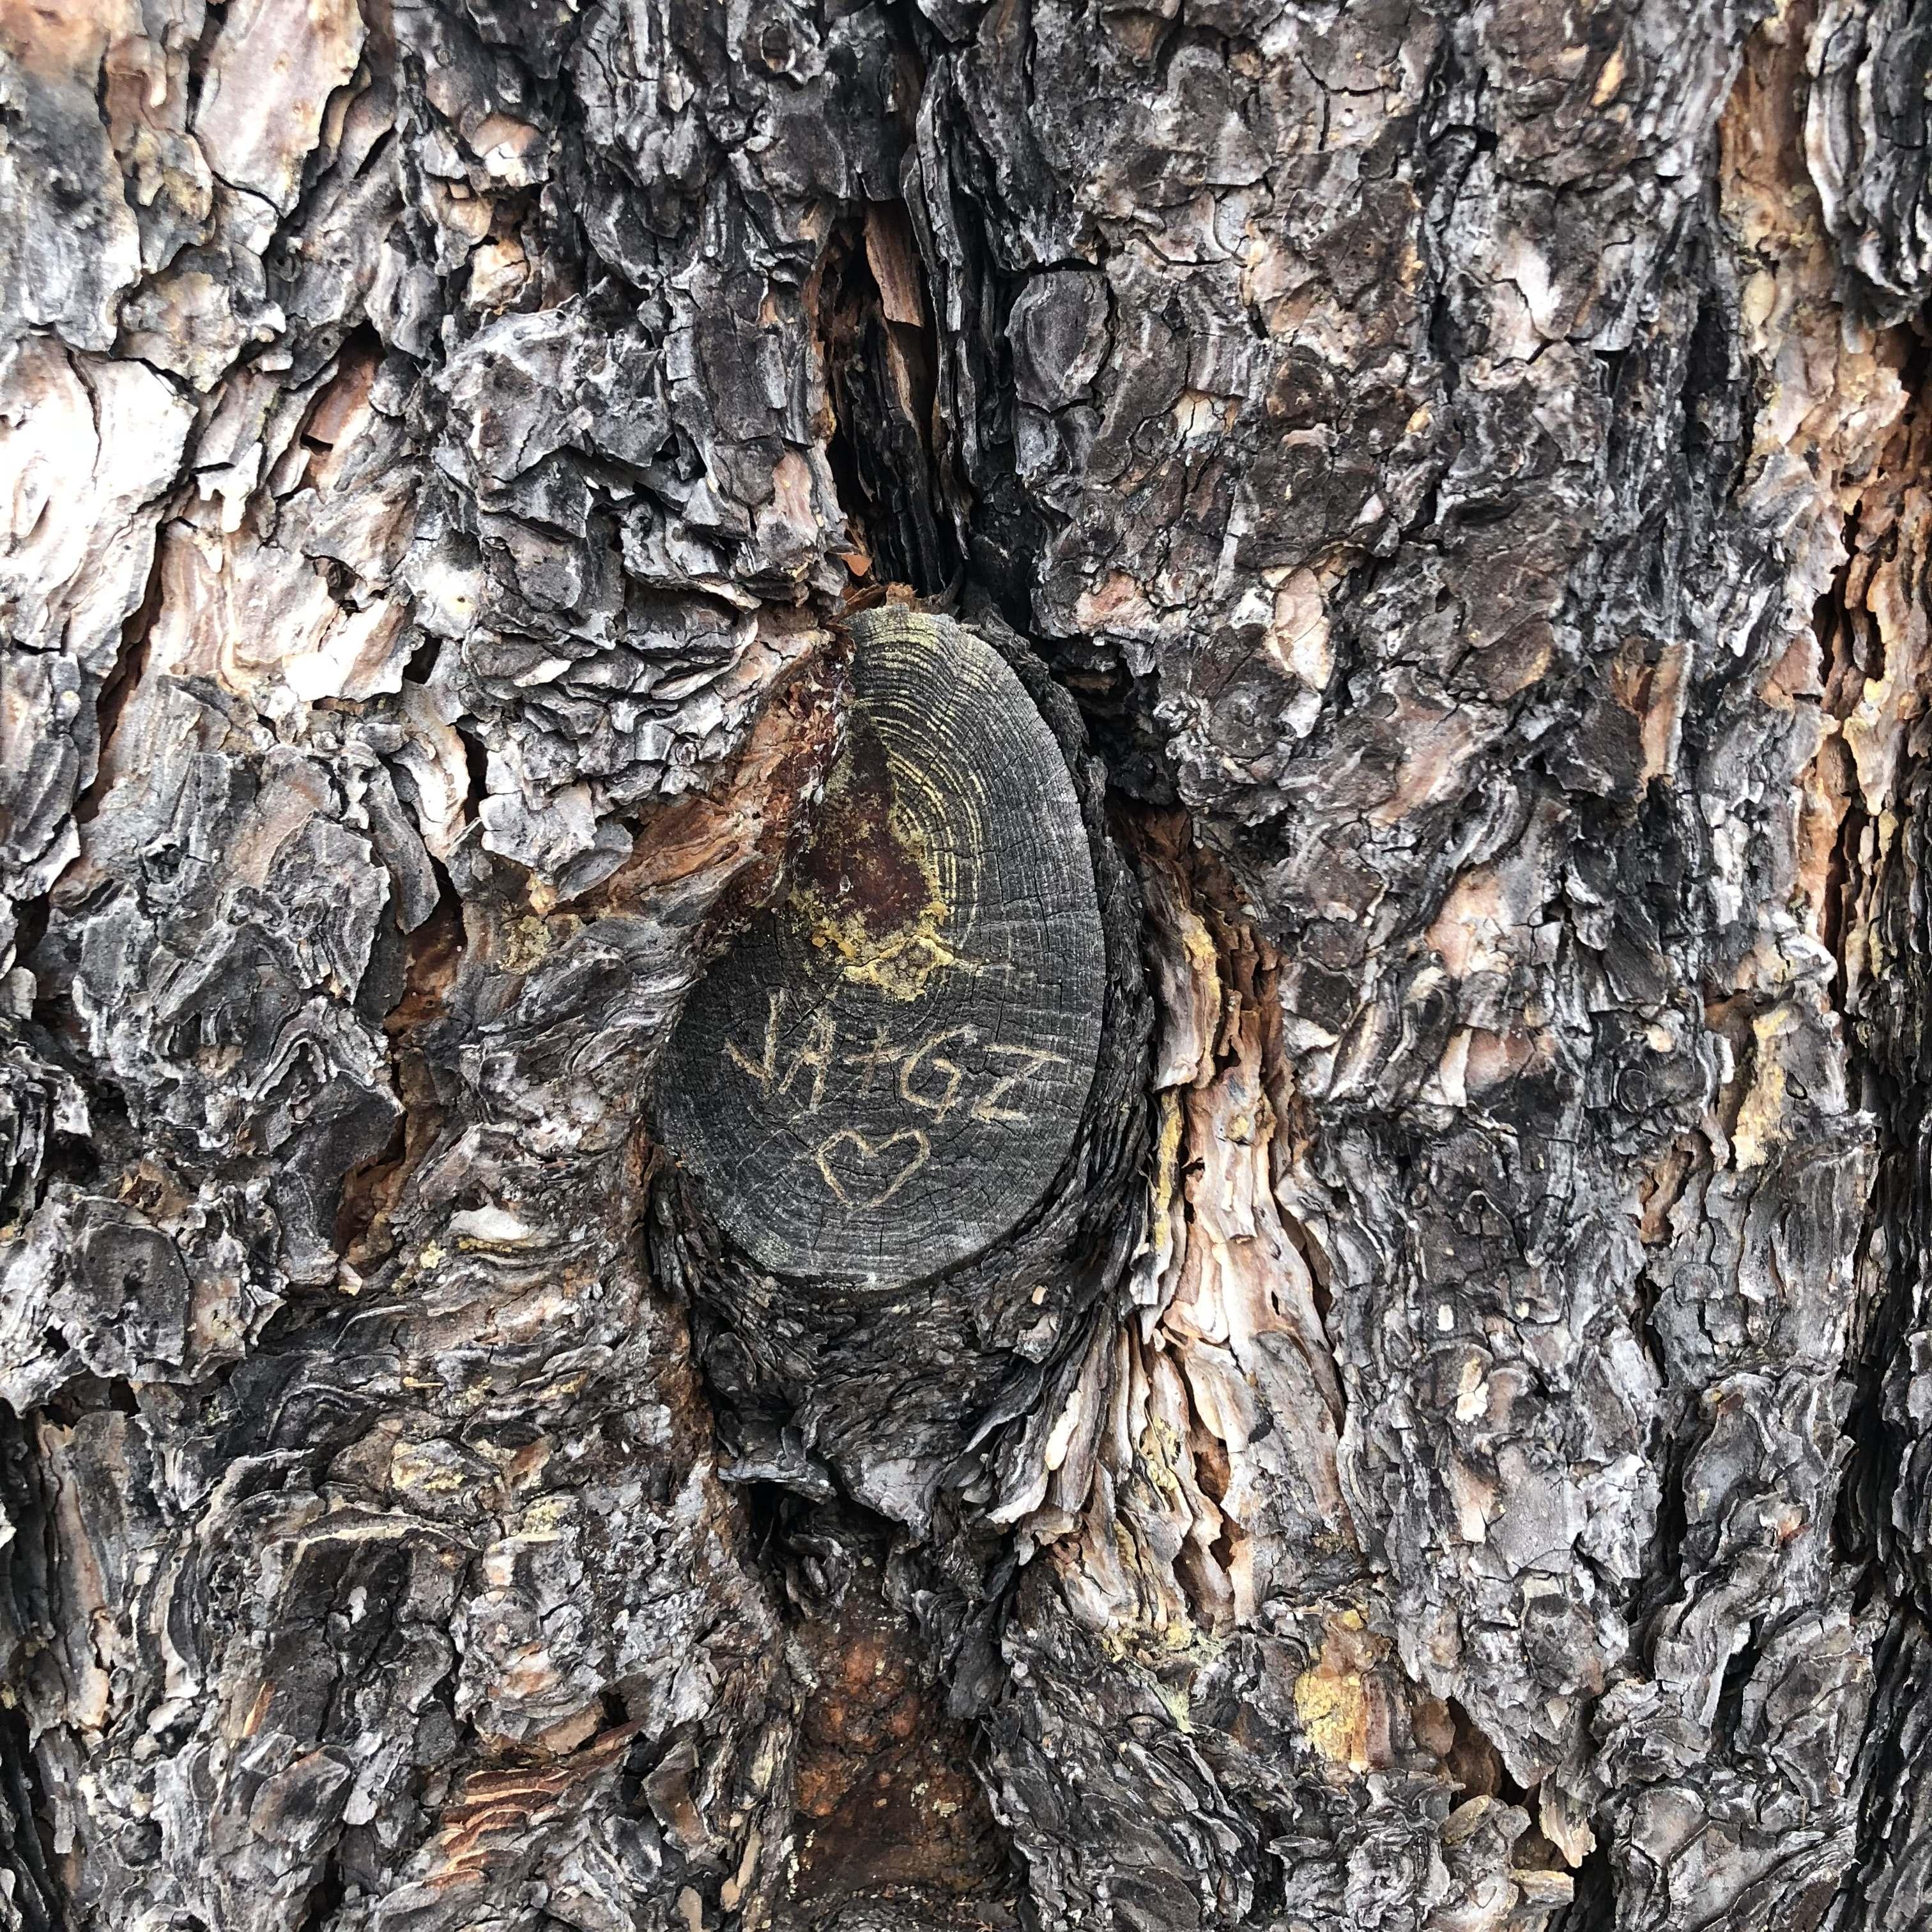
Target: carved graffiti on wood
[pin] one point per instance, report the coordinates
(886, 1074)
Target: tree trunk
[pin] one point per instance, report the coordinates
(962, 965)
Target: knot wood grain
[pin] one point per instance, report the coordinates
(887, 1074)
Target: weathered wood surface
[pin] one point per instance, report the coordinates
(1450, 1448)
(886, 1075)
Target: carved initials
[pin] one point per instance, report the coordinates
(984, 1108)
(816, 1053)
(881, 1053)
(951, 1073)
(928, 1079)
(763, 1071)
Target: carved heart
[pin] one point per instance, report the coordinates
(853, 1166)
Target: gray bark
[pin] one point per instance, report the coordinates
(1432, 1430)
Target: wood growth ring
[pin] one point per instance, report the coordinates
(887, 1073)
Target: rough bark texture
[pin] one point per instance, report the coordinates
(1442, 1439)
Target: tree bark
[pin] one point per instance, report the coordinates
(1297, 634)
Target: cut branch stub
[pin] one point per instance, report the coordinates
(888, 1073)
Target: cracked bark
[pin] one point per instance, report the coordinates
(1434, 1434)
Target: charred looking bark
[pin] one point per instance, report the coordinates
(1430, 1433)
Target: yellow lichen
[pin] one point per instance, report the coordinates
(1761, 1119)
(1331, 1701)
(426, 1469)
(532, 938)
(901, 960)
